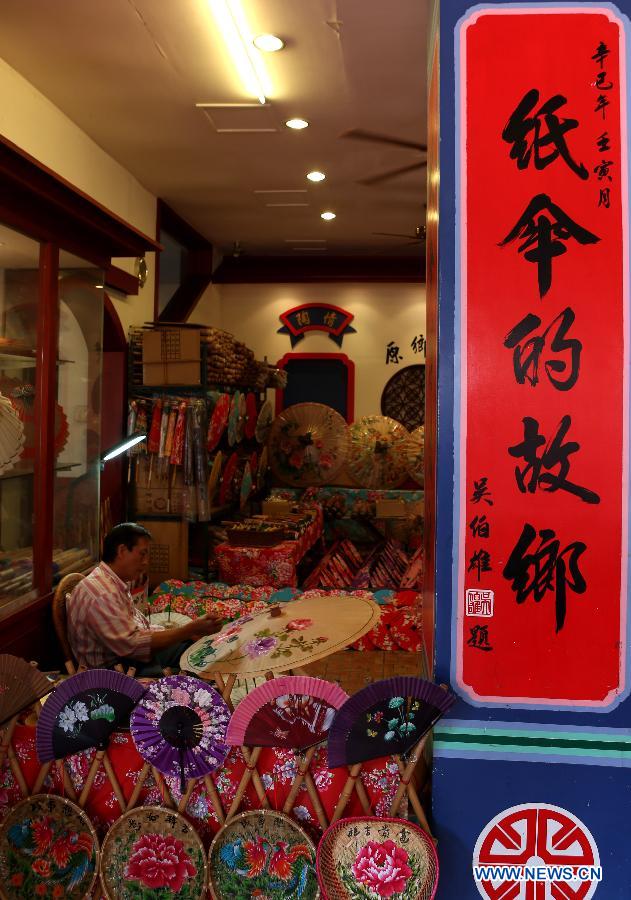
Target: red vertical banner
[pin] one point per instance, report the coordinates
(541, 425)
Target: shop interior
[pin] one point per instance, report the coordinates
(213, 298)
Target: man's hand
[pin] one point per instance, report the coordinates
(203, 626)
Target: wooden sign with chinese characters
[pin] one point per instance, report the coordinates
(542, 412)
(333, 320)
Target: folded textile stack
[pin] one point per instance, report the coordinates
(384, 568)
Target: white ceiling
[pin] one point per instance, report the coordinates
(129, 73)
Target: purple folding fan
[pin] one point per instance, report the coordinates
(384, 718)
(84, 711)
(180, 727)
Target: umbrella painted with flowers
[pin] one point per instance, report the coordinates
(180, 727)
(307, 444)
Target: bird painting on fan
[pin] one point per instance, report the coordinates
(252, 859)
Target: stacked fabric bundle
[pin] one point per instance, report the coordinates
(338, 568)
(384, 568)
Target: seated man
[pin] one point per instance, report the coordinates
(104, 627)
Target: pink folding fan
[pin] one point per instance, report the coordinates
(293, 711)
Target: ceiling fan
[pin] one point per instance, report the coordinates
(358, 134)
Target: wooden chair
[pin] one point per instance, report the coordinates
(60, 617)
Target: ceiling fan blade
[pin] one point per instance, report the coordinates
(358, 134)
(377, 179)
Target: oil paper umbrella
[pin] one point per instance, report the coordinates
(377, 449)
(307, 444)
(415, 455)
(218, 421)
(227, 488)
(213, 478)
(180, 727)
(264, 422)
(48, 847)
(233, 420)
(11, 435)
(246, 486)
(250, 420)
(373, 857)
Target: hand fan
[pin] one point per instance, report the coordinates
(84, 711)
(262, 854)
(250, 421)
(371, 856)
(153, 853)
(294, 711)
(264, 422)
(48, 848)
(384, 718)
(180, 727)
(20, 685)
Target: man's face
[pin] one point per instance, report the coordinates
(130, 564)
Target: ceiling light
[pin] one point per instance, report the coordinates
(238, 38)
(316, 176)
(297, 124)
(327, 216)
(268, 43)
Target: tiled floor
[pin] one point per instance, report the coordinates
(353, 670)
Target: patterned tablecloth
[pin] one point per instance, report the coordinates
(276, 767)
(400, 628)
(259, 566)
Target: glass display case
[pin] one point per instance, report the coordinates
(76, 440)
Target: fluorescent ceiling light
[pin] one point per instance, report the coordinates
(268, 43)
(316, 176)
(297, 124)
(327, 216)
(120, 448)
(238, 38)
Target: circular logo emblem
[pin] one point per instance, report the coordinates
(536, 850)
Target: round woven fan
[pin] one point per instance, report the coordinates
(153, 852)
(307, 444)
(213, 478)
(264, 422)
(233, 419)
(415, 455)
(377, 452)
(20, 685)
(218, 420)
(403, 397)
(22, 397)
(262, 469)
(250, 417)
(226, 489)
(262, 854)
(377, 857)
(246, 486)
(11, 435)
(48, 848)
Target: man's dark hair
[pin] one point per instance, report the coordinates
(127, 533)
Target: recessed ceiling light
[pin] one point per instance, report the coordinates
(327, 216)
(297, 124)
(268, 43)
(316, 176)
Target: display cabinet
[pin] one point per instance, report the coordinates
(55, 246)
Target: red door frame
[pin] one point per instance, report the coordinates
(350, 382)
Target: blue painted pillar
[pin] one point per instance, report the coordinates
(528, 497)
